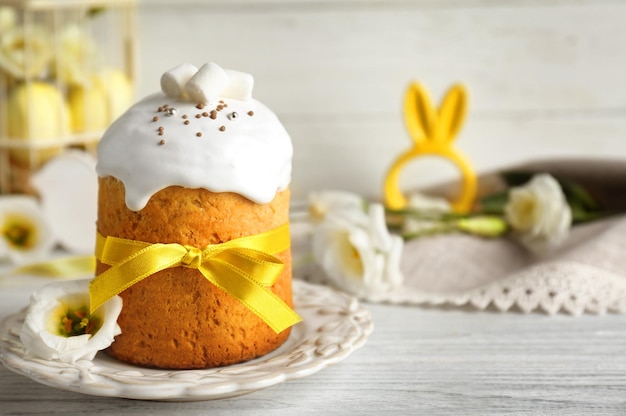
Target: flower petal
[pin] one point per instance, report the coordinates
(323, 202)
(393, 275)
(378, 227)
(38, 334)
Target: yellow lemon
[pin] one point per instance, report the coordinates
(88, 105)
(36, 112)
(118, 89)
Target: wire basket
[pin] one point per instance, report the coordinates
(67, 70)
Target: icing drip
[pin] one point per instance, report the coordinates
(230, 146)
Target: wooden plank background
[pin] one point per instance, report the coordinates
(546, 78)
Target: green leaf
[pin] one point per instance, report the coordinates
(517, 178)
(578, 195)
(494, 204)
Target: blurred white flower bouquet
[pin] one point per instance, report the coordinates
(358, 244)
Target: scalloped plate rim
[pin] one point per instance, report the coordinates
(108, 377)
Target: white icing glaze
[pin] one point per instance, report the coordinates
(251, 157)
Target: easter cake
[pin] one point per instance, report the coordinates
(202, 168)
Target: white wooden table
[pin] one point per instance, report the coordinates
(546, 80)
(431, 361)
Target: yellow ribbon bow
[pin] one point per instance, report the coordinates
(244, 268)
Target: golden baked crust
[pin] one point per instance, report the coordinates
(176, 318)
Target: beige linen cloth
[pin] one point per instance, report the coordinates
(587, 274)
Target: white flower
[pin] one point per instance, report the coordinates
(427, 205)
(323, 202)
(58, 325)
(355, 249)
(25, 54)
(539, 214)
(76, 56)
(24, 234)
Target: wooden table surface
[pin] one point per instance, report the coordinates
(435, 361)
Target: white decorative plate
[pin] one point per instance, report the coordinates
(334, 325)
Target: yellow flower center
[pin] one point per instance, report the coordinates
(318, 211)
(20, 232)
(76, 321)
(526, 212)
(350, 258)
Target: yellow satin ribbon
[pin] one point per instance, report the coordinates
(244, 268)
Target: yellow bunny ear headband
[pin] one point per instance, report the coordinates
(433, 133)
